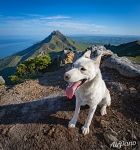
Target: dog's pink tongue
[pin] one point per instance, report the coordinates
(70, 90)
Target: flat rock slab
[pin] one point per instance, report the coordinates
(122, 64)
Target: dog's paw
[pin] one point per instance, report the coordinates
(85, 130)
(71, 124)
(103, 112)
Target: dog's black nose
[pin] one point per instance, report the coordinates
(66, 76)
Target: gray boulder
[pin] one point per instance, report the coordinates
(123, 65)
(2, 81)
(98, 50)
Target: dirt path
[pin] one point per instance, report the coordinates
(34, 115)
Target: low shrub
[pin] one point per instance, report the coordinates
(31, 68)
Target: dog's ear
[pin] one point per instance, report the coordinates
(97, 60)
(87, 54)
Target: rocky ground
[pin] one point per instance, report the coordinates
(34, 115)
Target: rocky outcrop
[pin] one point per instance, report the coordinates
(2, 81)
(122, 65)
(110, 60)
(67, 57)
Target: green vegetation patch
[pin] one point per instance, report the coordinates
(31, 68)
(135, 59)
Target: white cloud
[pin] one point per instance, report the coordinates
(42, 25)
(55, 17)
(44, 17)
(75, 25)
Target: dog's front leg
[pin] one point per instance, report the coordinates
(75, 116)
(85, 128)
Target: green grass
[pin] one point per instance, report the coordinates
(135, 59)
(9, 61)
(79, 46)
(14, 61)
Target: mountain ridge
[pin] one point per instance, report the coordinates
(55, 42)
(126, 49)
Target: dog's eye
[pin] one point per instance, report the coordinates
(82, 69)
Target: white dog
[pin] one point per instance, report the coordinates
(85, 81)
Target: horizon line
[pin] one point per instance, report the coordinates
(69, 35)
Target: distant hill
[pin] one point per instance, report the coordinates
(104, 39)
(55, 42)
(127, 49)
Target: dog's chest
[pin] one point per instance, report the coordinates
(87, 96)
(91, 95)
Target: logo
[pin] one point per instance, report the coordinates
(120, 144)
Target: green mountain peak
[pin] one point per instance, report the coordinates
(55, 42)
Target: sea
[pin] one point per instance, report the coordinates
(9, 46)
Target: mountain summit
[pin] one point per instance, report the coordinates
(54, 34)
(56, 41)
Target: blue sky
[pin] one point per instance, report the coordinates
(33, 18)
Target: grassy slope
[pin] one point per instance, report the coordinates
(10, 61)
(135, 59)
(80, 45)
(131, 49)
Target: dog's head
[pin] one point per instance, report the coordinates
(84, 69)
